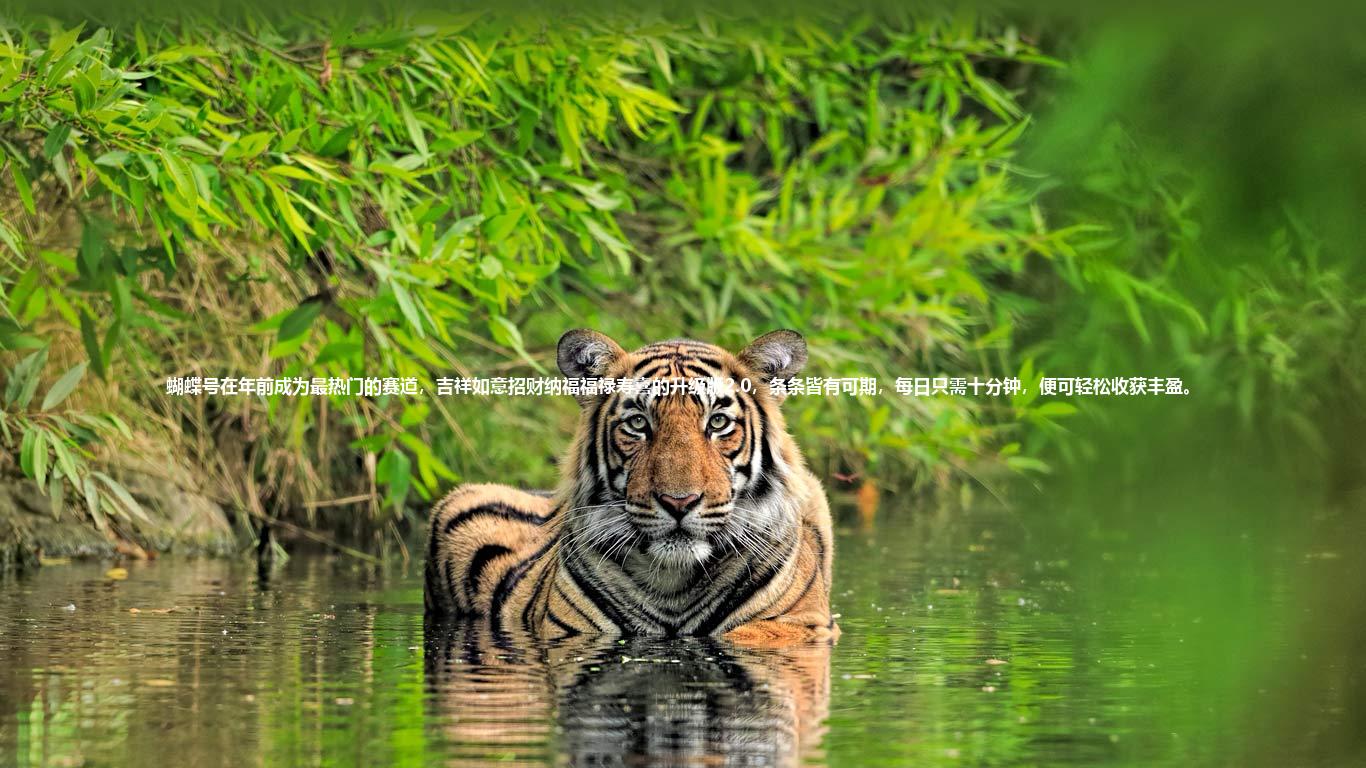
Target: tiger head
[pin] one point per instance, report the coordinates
(673, 474)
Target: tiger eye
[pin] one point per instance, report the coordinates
(637, 422)
(719, 421)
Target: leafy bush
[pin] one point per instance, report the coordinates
(423, 194)
(433, 194)
(50, 442)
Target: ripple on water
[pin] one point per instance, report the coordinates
(965, 642)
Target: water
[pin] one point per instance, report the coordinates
(970, 638)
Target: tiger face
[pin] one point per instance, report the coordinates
(669, 477)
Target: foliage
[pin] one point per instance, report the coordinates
(409, 193)
(51, 442)
(407, 196)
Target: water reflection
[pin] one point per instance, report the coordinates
(970, 638)
(642, 701)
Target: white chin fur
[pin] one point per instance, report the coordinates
(676, 553)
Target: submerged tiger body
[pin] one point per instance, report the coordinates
(680, 511)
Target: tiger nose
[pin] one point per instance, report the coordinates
(676, 505)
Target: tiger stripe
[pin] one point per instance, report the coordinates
(605, 553)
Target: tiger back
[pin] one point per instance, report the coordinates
(682, 510)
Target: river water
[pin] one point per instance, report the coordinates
(970, 637)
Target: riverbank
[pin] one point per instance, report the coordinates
(177, 520)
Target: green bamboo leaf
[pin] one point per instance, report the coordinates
(67, 461)
(40, 456)
(56, 139)
(290, 172)
(179, 53)
(1027, 464)
(21, 184)
(64, 386)
(414, 129)
(11, 238)
(394, 470)
(112, 159)
(407, 306)
(90, 339)
(296, 224)
(125, 499)
(111, 340)
(63, 41)
(120, 425)
(26, 450)
(337, 142)
(56, 495)
(250, 145)
(298, 321)
(1054, 408)
(23, 380)
(92, 502)
(90, 253)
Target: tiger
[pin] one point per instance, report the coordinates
(680, 511)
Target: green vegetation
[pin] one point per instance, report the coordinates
(418, 194)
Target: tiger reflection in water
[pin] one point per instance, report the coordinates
(639, 701)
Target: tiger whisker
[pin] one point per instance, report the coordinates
(595, 532)
(625, 543)
(599, 534)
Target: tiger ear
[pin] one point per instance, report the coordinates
(775, 355)
(585, 354)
